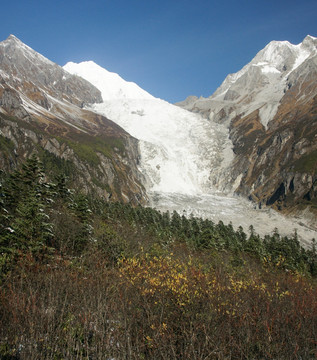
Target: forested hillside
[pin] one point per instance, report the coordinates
(82, 278)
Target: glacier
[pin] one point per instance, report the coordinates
(184, 156)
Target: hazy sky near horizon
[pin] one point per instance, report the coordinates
(171, 48)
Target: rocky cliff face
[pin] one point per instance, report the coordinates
(41, 111)
(270, 109)
(23, 67)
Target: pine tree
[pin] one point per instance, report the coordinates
(24, 208)
(32, 228)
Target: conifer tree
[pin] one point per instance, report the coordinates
(25, 199)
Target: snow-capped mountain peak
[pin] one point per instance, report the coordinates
(275, 54)
(25, 50)
(284, 56)
(262, 82)
(111, 85)
(310, 42)
(280, 57)
(39, 86)
(12, 37)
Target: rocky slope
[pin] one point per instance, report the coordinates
(270, 109)
(41, 110)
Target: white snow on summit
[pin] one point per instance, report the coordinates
(27, 52)
(262, 82)
(111, 85)
(276, 53)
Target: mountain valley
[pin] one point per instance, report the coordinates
(245, 155)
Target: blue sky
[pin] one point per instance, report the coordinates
(171, 48)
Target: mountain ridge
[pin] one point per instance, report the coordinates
(270, 111)
(111, 84)
(41, 108)
(269, 61)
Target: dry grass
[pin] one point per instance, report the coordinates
(155, 307)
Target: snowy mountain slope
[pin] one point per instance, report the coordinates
(111, 85)
(259, 85)
(41, 88)
(269, 107)
(185, 158)
(178, 148)
(25, 69)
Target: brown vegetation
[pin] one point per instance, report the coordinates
(171, 306)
